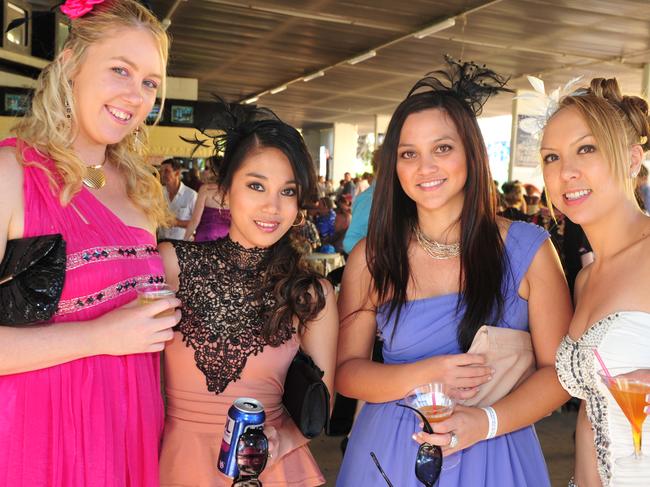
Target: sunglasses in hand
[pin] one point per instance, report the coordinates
(428, 461)
(252, 455)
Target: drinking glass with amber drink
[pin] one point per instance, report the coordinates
(630, 389)
(435, 403)
(432, 400)
(153, 292)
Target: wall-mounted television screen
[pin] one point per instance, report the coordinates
(182, 114)
(16, 103)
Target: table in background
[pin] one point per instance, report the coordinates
(324, 263)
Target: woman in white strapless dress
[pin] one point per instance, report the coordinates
(622, 340)
(592, 149)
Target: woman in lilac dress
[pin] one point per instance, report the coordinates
(438, 264)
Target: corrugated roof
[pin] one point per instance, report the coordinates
(241, 48)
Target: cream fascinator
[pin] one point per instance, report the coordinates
(541, 105)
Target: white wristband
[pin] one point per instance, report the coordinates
(493, 422)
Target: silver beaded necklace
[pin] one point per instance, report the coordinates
(436, 250)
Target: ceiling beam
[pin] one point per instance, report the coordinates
(321, 17)
(346, 61)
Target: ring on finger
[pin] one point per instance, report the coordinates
(453, 441)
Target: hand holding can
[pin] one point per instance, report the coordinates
(248, 458)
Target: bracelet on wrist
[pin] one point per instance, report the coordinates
(493, 422)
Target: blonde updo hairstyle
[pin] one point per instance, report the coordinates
(47, 129)
(617, 123)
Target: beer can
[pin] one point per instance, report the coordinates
(244, 414)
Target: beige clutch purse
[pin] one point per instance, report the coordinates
(510, 353)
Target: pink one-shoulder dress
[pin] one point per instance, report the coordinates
(95, 421)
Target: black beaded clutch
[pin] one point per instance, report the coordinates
(32, 273)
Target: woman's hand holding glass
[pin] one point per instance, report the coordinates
(137, 328)
(468, 424)
(464, 373)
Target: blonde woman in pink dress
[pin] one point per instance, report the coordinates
(81, 402)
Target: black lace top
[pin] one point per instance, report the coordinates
(223, 308)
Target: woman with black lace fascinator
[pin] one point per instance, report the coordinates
(437, 265)
(248, 304)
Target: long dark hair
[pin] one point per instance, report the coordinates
(394, 215)
(297, 291)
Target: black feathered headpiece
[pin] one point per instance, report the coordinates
(229, 123)
(471, 83)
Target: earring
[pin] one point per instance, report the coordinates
(68, 114)
(135, 142)
(68, 110)
(301, 221)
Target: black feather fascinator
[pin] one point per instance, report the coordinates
(468, 81)
(229, 123)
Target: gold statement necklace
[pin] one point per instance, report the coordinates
(95, 177)
(436, 250)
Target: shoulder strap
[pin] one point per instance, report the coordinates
(522, 243)
(43, 211)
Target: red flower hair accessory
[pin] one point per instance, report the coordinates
(78, 8)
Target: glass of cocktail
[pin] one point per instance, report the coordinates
(630, 389)
(434, 401)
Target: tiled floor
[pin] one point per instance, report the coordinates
(555, 434)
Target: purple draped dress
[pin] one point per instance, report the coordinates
(427, 328)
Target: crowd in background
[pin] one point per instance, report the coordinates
(326, 219)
